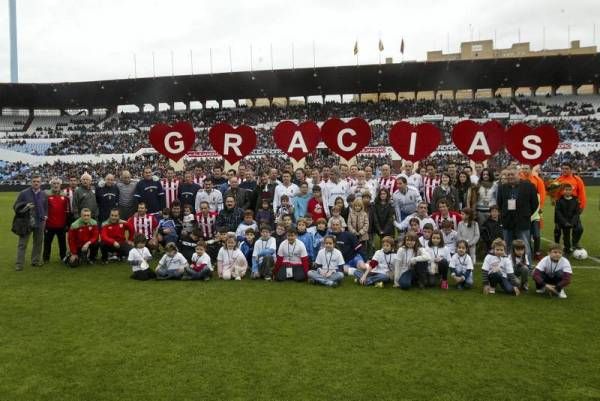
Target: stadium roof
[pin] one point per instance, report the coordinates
(400, 77)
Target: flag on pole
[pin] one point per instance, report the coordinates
(402, 46)
(380, 45)
(356, 48)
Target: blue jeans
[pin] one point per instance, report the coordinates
(169, 274)
(405, 280)
(511, 235)
(468, 283)
(497, 278)
(355, 261)
(335, 278)
(201, 275)
(372, 278)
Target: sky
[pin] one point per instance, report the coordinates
(86, 40)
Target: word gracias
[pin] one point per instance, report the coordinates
(529, 145)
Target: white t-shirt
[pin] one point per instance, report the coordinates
(291, 191)
(198, 260)
(329, 261)
(177, 262)
(434, 253)
(292, 253)
(261, 244)
(461, 263)
(450, 240)
(339, 190)
(228, 257)
(142, 255)
(385, 261)
(550, 267)
(495, 264)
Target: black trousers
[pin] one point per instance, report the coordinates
(297, 273)
(121, 251)
(576, 231)
(49, 234)
(85, 257)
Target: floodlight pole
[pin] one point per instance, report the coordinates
(14, 61)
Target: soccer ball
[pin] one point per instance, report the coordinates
(580, 254)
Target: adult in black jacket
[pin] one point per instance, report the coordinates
(382, 215)
(242, 196)
(107, 198)
(150, 192)
(188, 191)
(31, 208)
(265, 189)
(518, 201)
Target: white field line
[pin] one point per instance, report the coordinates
(589, 257)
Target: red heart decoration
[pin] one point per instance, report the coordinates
(466, 131)
(240, 141)
(543, 142)
(309, 137)
(172, 141)
(346, 139)
(428, 137)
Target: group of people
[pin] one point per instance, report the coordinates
(416, 228)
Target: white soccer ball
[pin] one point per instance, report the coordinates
(580, 254)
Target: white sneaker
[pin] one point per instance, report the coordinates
(492, 290)
(379, 284)
(562, 294)
(267, 278)
(540, 291)
(238, 278)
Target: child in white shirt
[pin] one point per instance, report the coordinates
(498, 269)
(461, 266)
(553, 273)
(201, 267)
(231, 262)
(172, 264)
(439, 262)
(138, 259)
(380, 269)
(329, 265)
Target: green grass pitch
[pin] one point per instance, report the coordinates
(93, 334)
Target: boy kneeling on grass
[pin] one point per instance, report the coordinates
(553, 273)
(498, 269)
(329, 265)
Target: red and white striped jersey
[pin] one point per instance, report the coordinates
(171, 189)
(143, 225)
(452, 216)
(389, 183)
(199, 179)
(429, 184)
(69, 192)
(206, 225)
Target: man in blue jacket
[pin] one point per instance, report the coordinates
(32, 202)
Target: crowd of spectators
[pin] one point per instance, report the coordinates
(19, 172)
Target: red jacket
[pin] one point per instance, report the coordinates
(80, 233)
(114, 232)
(59, 208)
(316, 209)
